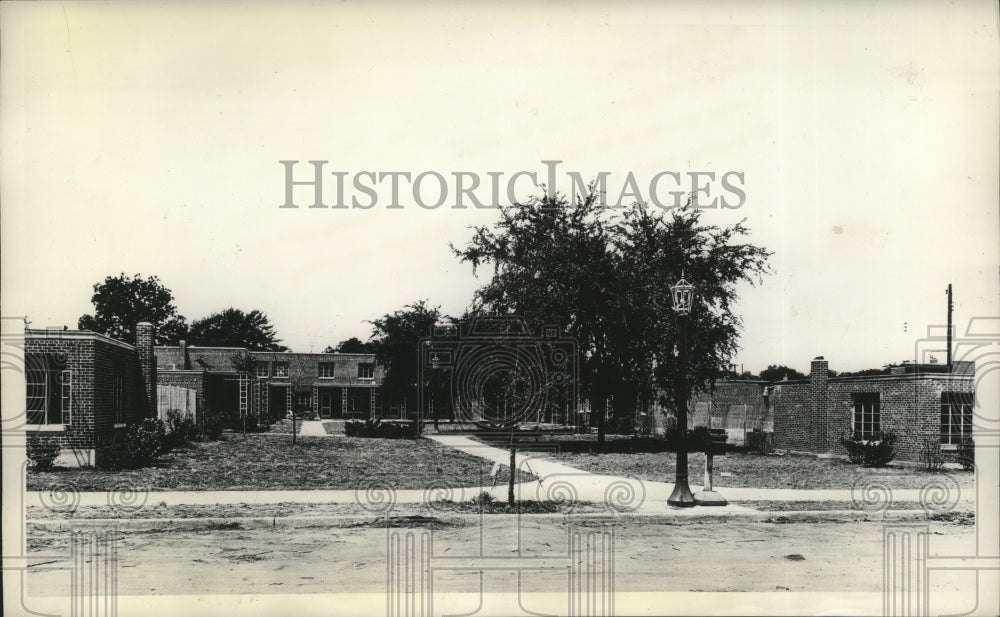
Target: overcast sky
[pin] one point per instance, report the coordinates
(146, 138)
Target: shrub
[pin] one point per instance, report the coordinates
(180, 428)
(383, 430)
(967, 454)
(759, 442)
(698, 438)
(931, 458)
(137, 446)
(42, 453)
(645, 426)
(483, 499)
(878, 451)
(855, 448)
(211, 428)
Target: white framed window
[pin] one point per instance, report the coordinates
(66, 396)
(49, 391)
(366, 370)
(867, 420)
(281, 369)
(326, 370)
(956, 417)
(261, 370)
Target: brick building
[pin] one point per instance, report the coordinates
(83, 387)
(922, 404)
(332, 385)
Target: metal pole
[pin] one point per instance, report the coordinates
(950, 307)
(513, 469)
(681, 495)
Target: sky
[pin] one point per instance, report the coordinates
(146, 138)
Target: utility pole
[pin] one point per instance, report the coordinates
(951, 307)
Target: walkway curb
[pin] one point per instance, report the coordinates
(468, 519)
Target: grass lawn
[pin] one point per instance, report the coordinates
(757, 471)
(270, 462)
(649, 460)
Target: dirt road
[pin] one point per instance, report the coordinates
(649, 555)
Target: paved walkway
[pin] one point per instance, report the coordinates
(594, 487)
(312, 428)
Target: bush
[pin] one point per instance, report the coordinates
(645, 427)
(760, 442)
(619, 426)
(967, 454)
(875, 452)
(211, 428)
(42, 453)
(855, 448)
(382, 430)
(181, 430)
(698, 438)
(931, 458)
(137, 446)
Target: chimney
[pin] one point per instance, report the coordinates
(185, 360)
(824, 433)
(147, 364)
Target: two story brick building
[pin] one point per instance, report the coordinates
(331, 385)
(83, 387)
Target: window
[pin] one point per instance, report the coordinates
(326, 370)
(867, 421)
(366, 370)
(956, 417)
(261, 369)
(303, 400)
(281, 369)
(118, 394)
(65, 395)
(49, 396)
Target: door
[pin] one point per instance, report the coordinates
(325, 404)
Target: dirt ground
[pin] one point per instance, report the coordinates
(648, 555)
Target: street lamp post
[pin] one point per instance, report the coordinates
(683, 298)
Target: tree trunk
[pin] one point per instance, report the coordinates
(601, 412)
(513, 472)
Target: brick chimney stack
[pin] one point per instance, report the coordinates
(822, 429)
(147, 364)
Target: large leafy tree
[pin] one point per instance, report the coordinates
(778, 372)
(395, 342)
(351, 345)
(235, 328)
(605, 276)
(121, 302)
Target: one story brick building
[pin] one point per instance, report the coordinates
(923, 404)
(83, 387)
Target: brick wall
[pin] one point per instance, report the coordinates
(93, 360)
(793, 421)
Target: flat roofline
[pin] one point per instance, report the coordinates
(75, 335)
